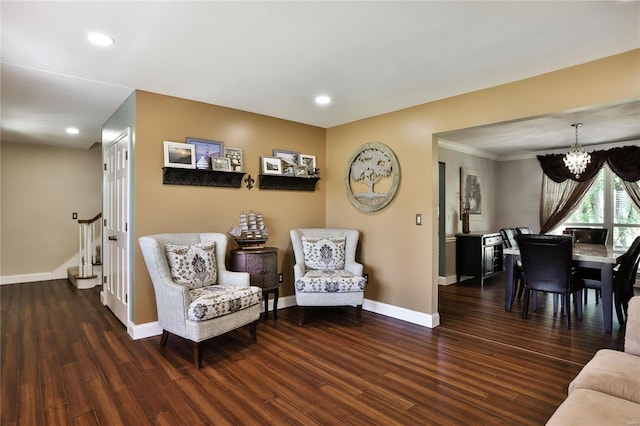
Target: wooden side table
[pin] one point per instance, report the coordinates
(262, 266)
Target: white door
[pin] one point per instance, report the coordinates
(115, 234)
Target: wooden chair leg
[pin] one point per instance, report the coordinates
(253, 332)
(577, 297)
(301, 317)
(163, 339)
(197, 354)
(359, 313)
(525, 308)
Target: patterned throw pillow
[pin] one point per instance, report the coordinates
(193, 266)
(323, 253)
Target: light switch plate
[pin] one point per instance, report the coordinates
(418, 219)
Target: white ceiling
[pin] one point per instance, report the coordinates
(273, 58)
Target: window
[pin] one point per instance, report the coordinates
(607, 205)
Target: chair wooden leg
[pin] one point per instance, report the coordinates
(525, 308)
(566, 306)
(197, 354)
(301, 317)
(359, 313)
(163, 339)
(253, 332)
(577, 297)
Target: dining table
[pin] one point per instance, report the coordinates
(595, 256)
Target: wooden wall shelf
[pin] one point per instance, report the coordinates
(287, 182)
(196, 177)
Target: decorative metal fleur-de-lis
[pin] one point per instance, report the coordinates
(249, 181)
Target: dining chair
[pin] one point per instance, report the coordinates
(509, 241)
(624, 278)
(547, 264)
(524, 230)
(589, 236)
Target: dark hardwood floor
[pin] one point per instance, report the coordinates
(65, 359)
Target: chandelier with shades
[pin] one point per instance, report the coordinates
(577, 158)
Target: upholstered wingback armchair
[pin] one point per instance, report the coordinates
(197, 298)
(326, 272)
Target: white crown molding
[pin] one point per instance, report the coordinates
(465, 149)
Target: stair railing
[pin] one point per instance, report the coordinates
(90, 237)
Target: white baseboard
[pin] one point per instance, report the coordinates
(448, 280)
(145, 330)
(29, 278)
(59, 273)
(414, 317)
(151, 329)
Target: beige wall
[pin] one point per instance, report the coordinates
(402, 257)
(173, 208)
(42, 186)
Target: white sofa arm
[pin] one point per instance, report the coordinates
(632, 332)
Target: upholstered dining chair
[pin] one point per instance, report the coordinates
(547, 263)
(509, 241)
(326, 272)
(624, 277)
(524, 230)
(196, 297)
(589, 236)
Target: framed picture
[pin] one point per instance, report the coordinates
(271, 166)
(206, 148)
(179, 155)
(301, 171)
(471, 192)
(235, 156)
(309, 161)
(289, 157)
(222, 164)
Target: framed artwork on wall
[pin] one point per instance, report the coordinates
(235, 157)
(471, 192)
(179, 155)
(271, 166)
(206, 149)
(289, 157)
(309, 161)
(372, 191)
(222, 164)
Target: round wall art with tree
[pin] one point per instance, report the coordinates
(371, 177)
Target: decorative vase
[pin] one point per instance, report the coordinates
(465, 220)
(202, 163)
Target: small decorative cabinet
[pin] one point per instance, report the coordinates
(478, 255)
(262, 266)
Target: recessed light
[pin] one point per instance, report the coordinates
(72, 130)
(100, 39)
(323, 100)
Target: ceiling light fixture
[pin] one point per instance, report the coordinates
(323, 100)
(72, 130)
(100, 39)
(577, 159)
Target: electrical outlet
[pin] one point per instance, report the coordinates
(74, 216)
(280, 278)
(366, 278)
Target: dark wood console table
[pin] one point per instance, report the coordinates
(478, 254)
